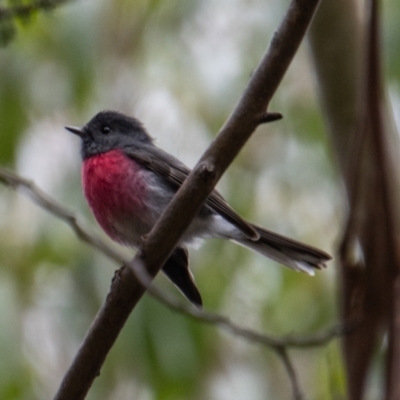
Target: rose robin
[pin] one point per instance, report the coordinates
(128, 182)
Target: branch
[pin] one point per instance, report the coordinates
(287, 362)
(127, 290)
(269, 117)
(278, 345)
(49, 204)
(54, 207)
(225, 323)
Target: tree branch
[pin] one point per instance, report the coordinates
(277, 344)
(51, 205)
(127, 289)
(287, 362)
(54, 207)
(367, 147)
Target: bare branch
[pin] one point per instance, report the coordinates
(287, 362)
(234, 134)
(51, 205)
(278, 345)
(127, 289)
(367, 148)
(275, 343)
(269, 117)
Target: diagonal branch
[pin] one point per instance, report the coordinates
(54, 207)
(127, 290)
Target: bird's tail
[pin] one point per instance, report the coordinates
(291, 253)
(177, 269)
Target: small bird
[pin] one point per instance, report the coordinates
(128, 182)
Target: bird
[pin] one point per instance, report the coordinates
(128, 182)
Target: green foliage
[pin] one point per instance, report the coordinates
(7, 32)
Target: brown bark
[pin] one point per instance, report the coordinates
(352, 93)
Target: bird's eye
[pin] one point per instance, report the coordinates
(105, 129)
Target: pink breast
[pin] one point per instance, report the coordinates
(115, 190)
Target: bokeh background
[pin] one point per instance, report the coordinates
(180, 67)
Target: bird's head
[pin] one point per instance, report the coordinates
(109, 130)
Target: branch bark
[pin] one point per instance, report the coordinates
(348, 61)
(126, 290)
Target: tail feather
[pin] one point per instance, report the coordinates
(177, 269)
(291, 253)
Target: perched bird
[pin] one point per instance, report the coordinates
(128, 182)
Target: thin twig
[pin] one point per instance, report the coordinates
(278, 345)
(51, 205)
(54, 207)
(269, 117)
(287, 362)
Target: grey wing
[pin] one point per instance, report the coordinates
(175, 172)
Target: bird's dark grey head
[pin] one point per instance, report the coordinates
(109, 130)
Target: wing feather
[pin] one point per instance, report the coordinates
(175, 172)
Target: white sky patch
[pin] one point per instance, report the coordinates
(237, 382)
(48, 350)
(175, 131)
(47, 153)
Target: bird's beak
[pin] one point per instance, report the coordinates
(75, 130)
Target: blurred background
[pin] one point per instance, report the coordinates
(180, 67)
